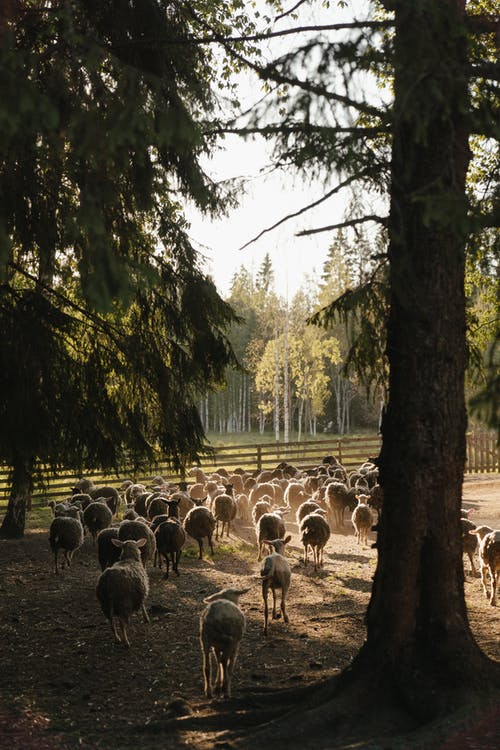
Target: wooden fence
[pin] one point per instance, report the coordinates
(483, 455)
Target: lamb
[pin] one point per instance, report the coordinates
(224, 510)
(96, 517)
(314, 532)
(107, 552)
(469, 541)
(270, 526)
(489, 558)
(136, 530)
(170, 539)
(200, 523)
(222, 625)
(122, 589)
(67, 534)
(275, 574)
(362, 519)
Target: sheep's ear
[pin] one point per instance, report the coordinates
(141, 542)
(287, 539)
(240, 592)
(212, 597)
(117, 542)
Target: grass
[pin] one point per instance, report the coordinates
(227, 439)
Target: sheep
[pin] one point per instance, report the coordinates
(197, 491)
(107, 552)
(261, 506)
(65, 509)
(314, 532)
(260, 491)
(170, 539)
(295, 495)
(489, 558)
(156, 505)
(67, 534)
(110, 495)
(222, 625)
(224, 511)
(200, 523)
(185, 502)
(137, 530)
(242, 507)
(212, 489)
(376, 498)
(130, 514)
(362, 519)
(132, 491)
(275, 574)
(309, 506)
(97, 516)
(270, 526)
(469, 541)
(140, 503)
(338, 497)
(83, 485)
(122, 589)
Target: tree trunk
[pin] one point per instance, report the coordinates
(14, 520)
(419, 660)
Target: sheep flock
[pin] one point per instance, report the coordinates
(139, 533)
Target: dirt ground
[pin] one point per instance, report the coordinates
(65, 683)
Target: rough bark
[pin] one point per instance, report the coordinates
(14, 521)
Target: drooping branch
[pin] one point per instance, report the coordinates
(383, 220)
(304, 209)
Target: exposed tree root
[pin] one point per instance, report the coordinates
(362, 708)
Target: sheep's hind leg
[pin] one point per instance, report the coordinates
(207, 687)
(276, 615)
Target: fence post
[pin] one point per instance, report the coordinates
(339, 449)
(259, 458)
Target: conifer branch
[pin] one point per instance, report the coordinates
(383, 220)
(304, 209)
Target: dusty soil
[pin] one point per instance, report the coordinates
(66, 684)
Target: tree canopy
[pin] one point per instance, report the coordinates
(109, 327)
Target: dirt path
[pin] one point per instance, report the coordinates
(65, 683)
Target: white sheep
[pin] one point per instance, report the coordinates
(270, 526)
(275, 574)
(314, 532)
(489, 558)
(122, 589)
(224, 510)
(362, 519)
(222, 625)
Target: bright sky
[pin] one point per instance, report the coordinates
(267, 200)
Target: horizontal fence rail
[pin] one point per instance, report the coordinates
(483, 456)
